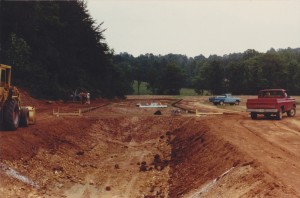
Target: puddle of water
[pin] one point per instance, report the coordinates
(15, 174)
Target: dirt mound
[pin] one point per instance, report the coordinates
(27, 100)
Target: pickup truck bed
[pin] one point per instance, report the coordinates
(266, 104)
(277, 103)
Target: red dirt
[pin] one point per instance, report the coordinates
(120, 150)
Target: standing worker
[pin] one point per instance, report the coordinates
(88, 101)
(83, 97)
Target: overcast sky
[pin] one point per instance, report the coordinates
(194, 27)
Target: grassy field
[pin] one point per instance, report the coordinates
(145, 91)
(188, 92)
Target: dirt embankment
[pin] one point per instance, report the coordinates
(204, 164)
(120, 150)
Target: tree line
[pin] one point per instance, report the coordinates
(237, 73)
(56, 47)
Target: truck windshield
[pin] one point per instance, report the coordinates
(272, 94)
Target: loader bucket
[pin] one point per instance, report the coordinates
(32, 115)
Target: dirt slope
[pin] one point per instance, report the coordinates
(120, 150)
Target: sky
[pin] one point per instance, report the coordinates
(194, 27)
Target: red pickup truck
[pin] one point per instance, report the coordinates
(271, 102)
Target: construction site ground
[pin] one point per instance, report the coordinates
(120, 150)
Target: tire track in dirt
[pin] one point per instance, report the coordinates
(257, 131)
(288, 122)
(269, 151)
(131, 184)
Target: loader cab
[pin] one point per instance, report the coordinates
(5, 76)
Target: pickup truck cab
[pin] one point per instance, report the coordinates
(272, 102)
(224, 99)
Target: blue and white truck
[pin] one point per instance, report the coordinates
(224, 99)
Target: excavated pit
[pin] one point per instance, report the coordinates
(120, 150)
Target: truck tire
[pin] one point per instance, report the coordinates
(24, 117)
(221, 102)
(279, 115)
(292, 112)
(253, 115)
(11, 115)
(267, 115)
(237, 102)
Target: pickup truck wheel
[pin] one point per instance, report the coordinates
(267, 115)
(221, 102)
(253, 115)
(237, 102)
(279, 115)
(292, 112)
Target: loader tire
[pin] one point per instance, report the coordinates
(11, 115)
(24, 117)
(1, 120)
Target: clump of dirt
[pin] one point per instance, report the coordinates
(58, 169)
(27, 100)
(143, 166)
(117, 166)
(79, 152)
(158, 112)
(158, 163)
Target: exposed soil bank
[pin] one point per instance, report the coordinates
(205, 165)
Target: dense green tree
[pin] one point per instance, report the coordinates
(199, 85)
(171, 80)
(272, 62)
(215, 77)
(236, 76)
(55, 47)
(18, 54)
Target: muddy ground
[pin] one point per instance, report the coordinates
(121, 150)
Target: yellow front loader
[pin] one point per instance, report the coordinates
(12, 114)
